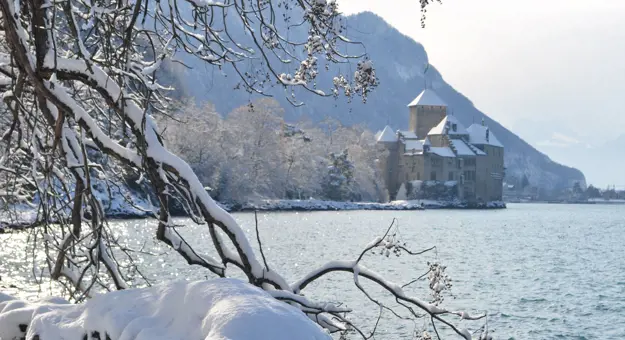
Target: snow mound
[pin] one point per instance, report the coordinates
(220, 309)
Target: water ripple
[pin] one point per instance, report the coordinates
(543, 271)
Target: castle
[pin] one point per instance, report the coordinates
(437, 147)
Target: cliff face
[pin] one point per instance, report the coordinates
(399, 63)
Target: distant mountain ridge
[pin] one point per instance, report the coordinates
(399, 63)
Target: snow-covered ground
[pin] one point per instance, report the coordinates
(219, 309)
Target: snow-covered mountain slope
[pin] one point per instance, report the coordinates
(399, 63)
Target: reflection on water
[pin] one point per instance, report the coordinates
(541, 271)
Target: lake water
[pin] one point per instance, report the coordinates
(541, 271)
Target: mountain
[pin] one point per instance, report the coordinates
(605, 163)
(399, 63)
(602, 162)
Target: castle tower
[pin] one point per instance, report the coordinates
(388, 141)
(426, 112)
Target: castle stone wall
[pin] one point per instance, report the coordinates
(424, 118)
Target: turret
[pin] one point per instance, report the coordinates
(426, 111)
(386, 136)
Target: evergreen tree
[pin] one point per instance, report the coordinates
(593, 192)
(338, 180)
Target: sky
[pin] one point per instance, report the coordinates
(552, 71)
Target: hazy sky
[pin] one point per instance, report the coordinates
(553, 71)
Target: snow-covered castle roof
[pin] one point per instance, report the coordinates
(427, 97)
(412, 145)
(407, 134)
(463, 149)
(448, 126)
(442, 151)
(482, 135)
(386, 135)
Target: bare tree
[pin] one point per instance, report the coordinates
(80, 90)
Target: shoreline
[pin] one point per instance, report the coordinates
(590, 201)
(7, 225)
(320, 205)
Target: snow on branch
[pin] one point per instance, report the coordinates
(80, 83)
(390, 242)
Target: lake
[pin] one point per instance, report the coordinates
(541, 271)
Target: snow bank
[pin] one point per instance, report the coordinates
(606, 201)
(319, 205)
(455, 204)
(220, 309)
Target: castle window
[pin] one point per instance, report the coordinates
(469, 175)
(454, 127)
(418, 176)
(451, 176)
(433, 176)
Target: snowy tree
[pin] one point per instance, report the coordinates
(402, 193)
(275, 159)
(339, 177)
(368, 180)
(298, 152)
(84, 75)
(255, 134)
(194, 133)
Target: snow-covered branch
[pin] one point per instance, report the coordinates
(81, 90)
(389, 242)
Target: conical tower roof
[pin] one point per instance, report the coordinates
(427, 97)
(387, 136)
